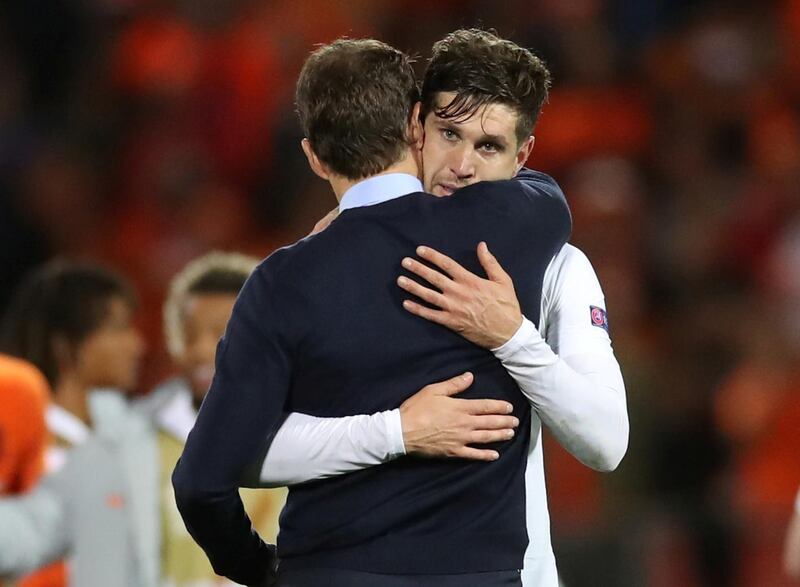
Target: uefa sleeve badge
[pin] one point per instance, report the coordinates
(599, 317)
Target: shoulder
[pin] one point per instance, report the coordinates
(279, 268)
(540, 183)
(570, 260)
(527, 195)
(570, 277)
(273, 297)
(264, 285)
(283, 276)
(114, 417)
(541, 188)
(533, 184)
(161, 395)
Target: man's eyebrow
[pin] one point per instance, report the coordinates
(445, 123)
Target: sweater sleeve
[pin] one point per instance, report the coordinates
(240, 414)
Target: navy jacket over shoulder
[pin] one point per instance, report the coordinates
(319, 328)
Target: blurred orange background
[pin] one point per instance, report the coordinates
(142, 133)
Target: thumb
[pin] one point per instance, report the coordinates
(494, 271)
(453, 386)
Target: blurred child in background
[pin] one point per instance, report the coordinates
(108, 505)
(75, 323)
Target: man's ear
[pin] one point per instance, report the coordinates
(416, 131)
(314, 163)
(525, 152)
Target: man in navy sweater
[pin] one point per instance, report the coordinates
(320, 328)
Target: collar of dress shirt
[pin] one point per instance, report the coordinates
(379, 189)
(65, 426)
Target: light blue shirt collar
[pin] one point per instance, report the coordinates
(379, 189)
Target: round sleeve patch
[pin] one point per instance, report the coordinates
(599, 317)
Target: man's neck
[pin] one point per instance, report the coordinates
(71, 394)
(407, 164)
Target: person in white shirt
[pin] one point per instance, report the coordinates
(566, 368)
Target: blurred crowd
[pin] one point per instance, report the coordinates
(141, 134)
(85, 469)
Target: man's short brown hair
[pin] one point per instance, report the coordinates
(481, 68)
(354, 99)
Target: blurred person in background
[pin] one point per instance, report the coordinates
(98, 508)
(122, 470)
(196, 312)
(75, 322)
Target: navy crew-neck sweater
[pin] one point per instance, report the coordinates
(319, 328)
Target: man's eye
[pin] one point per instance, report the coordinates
(449, 134)
(489, 147)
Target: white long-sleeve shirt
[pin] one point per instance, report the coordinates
(566, 369)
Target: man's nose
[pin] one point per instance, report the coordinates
(463, 163)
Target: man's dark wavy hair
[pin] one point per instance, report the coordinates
(481, 68)
(354, 99)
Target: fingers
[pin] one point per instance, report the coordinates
(431, 296)
(494, 270)
(494, 422)
(443, 262)
(476, 454)
(487, 407)
(438, 280)
(437, 316)
(452, 386)
(488, 436)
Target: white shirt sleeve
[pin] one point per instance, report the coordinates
(307, 447)
(571, 376)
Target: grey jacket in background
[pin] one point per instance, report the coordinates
(100, 512)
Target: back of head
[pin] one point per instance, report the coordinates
(354, 99)
(481, 68)
(62, 302)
